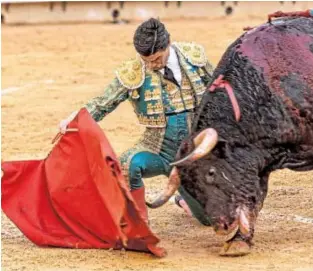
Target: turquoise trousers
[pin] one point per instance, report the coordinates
(146, 164)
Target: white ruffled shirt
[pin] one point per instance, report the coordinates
(173, 64)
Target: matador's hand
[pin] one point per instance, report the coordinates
(64, 123)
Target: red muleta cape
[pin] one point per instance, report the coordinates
(77, 196)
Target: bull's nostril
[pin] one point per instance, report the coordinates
(225, 226)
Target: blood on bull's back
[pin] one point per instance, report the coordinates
(275, 61)
(284, 53)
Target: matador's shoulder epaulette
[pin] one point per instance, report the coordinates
(193, 52)
(131, 74)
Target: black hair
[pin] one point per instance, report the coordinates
(150, 37)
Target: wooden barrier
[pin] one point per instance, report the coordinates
(91, 11)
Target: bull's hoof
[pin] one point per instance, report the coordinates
(235, 248)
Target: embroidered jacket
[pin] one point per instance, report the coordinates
(150, 94)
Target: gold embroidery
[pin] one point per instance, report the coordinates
(194, 77)
(151, 110)
(187, 92)
(155, 80)
(151, 121)
(153, 95)
(150, 141)
(148, 95)
(171, 88)
(189, 103)
(201, 72)
(199, 88)
(185, 83)
(180, 100)
(176, 96)
(186, 48)
(131, 74)
(135, 94)
(194, 53)
(156, 108)
(157, 93)
(136, 66)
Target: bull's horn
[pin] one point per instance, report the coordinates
(172, 186)
(204, 142)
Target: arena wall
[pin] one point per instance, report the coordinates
(92, 11)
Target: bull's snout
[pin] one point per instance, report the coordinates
(226, 229)
(243, 222)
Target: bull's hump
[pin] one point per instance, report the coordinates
(283, 53)
(281, 49)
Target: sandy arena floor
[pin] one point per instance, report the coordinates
(49, 71)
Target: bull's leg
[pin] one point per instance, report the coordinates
(263, 190)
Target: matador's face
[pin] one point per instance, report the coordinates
(158, 60)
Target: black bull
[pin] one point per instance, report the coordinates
(258, 117)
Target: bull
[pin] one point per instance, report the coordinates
(256, 117)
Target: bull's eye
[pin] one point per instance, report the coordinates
(212, 171)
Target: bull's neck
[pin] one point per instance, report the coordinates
(265, 127)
